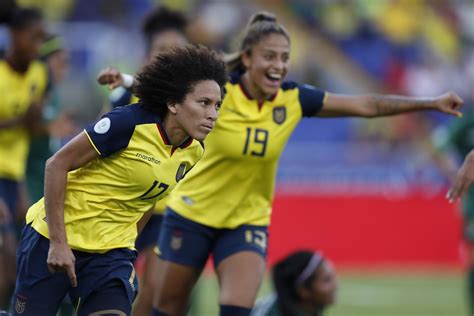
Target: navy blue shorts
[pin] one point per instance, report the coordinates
(149, 235)
(38, 292)
(189, 243)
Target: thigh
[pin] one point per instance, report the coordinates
(111, 299)
(174, 286)
(96, 271)
(183, 241)
(239, 257)
(183, 249)
(240, 277)
(37, 292)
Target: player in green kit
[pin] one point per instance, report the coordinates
(457, 139)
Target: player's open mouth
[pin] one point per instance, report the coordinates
(273, 77)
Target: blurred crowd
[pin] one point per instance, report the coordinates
(414, 47)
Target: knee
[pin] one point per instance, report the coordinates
(172, 304)
(237, 298)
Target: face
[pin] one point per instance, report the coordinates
(324, 286)
(27, 41)
(197, 114)
(165, 40)
(267, 64)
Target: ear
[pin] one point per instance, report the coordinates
(246, 59)
(304, 293)
(172, 108)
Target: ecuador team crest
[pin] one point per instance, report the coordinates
(279, 114)
(181, 171)
(20, 304)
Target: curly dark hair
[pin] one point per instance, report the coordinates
(174, 73)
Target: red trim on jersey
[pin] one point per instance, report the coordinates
(244, 91)
(163, 135)
(186, 143)
(248, 96)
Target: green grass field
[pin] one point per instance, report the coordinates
(421, 293)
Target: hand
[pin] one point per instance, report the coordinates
(61, 258)
(449, 103)
(464, 179)
(111, 77)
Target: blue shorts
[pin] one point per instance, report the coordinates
(149, 235)
(38, 292)
(189, 243)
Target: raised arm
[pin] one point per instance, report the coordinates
(78, 152)
(113, 78)
(375, 105)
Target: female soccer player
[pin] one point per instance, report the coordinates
(224, 205)
(23, 86)
(163, 29)
(102, 185)
(305, 285)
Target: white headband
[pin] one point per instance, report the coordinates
(309, 269)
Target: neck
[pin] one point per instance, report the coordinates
(252, 88)
(15, 63)
(175, 133)
(312, 309)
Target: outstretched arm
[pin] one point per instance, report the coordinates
(375, 105)
(73, 155)
(113, 78)
(464, 179)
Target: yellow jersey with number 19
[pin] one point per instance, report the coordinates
(136, 167)
(234, 182)
(17, 92)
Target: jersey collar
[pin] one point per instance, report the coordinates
(166, 140)
(249, 97)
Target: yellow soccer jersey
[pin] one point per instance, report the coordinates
(17, 92)
(122, 97)
(107, 197)
(233, 184)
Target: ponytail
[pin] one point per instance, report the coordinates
(260, 25)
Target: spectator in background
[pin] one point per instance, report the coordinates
(452, 142)
(23, 86)
(61, 125)
(305, 285)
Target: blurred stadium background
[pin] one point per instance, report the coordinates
(365, 192)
